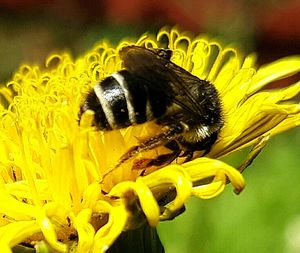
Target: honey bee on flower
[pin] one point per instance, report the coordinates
(151, 87)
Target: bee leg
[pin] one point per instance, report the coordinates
(164, 139)
(203, 145)
(164, 159)
(159, 140)
(167, 158)
(160, 160)
(189, 155)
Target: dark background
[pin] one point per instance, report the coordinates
(266, 216)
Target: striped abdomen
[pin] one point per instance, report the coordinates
(122, 100)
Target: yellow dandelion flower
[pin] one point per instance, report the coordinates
(58, 187)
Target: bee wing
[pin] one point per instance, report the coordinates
(145, 63)
(151, 67)
(187, 87)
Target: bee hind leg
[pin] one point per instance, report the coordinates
(166, 139)
(167, 158)
(161, 160)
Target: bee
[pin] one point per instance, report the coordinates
(153, 88)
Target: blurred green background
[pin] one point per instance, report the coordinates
(265, 217)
